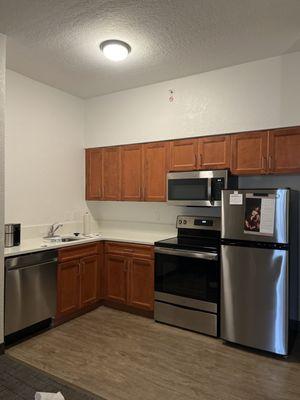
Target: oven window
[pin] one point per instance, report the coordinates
(187, 277)
(187, 189)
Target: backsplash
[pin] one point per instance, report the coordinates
(154, 216)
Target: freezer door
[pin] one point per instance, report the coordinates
(233, 216)
(254, 297)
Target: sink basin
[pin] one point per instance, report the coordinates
(69, 239)
(62, 239)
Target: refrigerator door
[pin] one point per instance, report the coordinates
(254, 297)
(233, 216)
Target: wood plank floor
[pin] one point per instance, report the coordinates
(121, 356)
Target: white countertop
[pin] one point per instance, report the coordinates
(38, 244)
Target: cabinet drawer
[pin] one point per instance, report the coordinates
(79, 251)
(128, 249)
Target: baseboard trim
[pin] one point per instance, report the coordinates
(66, 318)
(129, 309)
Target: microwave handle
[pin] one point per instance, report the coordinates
(209, 190)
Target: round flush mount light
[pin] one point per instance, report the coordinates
(115, 50)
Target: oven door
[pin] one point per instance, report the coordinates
(187, 278)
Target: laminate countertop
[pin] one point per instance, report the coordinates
(40, 244)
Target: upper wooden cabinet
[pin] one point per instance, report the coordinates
(111, 175)
(138, 172)
(132, 173)
(211, 152)
(249, 153)
(214, 152)
(183, 155)
(155, 168)
(94, 174)
(284, 151)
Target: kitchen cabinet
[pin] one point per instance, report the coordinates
(132, 173)
(249, 153)
(214, 152)
(89, 288)
(284, 151)
(93, 174)
(111, 175)
(68, 288)
(79, 279)
(183, 155)
(155, 169)
(129, 273)
(141, 278)
(116, 276)
(138, 172)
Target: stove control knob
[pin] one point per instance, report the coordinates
(184, 221)
(180, 221)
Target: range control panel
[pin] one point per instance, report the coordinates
(195, 222)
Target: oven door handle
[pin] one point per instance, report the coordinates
(186, 253)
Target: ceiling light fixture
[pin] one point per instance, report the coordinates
(115, 50)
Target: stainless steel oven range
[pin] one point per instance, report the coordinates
(187, 276)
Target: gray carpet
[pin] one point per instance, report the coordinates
(19, 381)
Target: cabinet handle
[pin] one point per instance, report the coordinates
(270, 162)
(264, 163)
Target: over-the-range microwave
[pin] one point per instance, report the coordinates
(198, 188)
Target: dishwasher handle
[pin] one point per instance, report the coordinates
(16, 267)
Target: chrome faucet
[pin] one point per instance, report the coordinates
(53, 228)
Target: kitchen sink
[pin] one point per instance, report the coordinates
(62, 239)
(69, 239)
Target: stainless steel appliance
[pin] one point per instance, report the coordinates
(198, 188)
(30, 290)
(255, 254)
(187, 273)
(12, 235)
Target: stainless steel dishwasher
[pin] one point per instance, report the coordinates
(30, 290)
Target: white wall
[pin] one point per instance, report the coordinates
(256, 95)
(44, 153)
(2, 129)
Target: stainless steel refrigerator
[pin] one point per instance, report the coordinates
(255, 253)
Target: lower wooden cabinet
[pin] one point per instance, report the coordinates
(116, 274)
(129, 271)
(68, 286)
(78, 279)
(89, 282)
(141, 284)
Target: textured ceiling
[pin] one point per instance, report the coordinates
(56, 41)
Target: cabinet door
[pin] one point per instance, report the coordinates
(132, 172)
(155, 171)
(89, 282)
(284, 155)
(116, 278)
(249, 153)
(141, 284)
(214, 152)
(183, 155)
(93, 174)
(68, 287)
(111, 164)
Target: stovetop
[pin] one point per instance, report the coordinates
(188, 243)
(195, 233)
